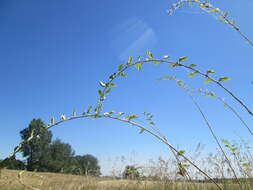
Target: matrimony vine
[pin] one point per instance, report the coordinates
(149, 126)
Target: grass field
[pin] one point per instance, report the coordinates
(10, 180)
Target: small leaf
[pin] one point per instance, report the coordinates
(224, 79)
(221, 18)
(150, 55)
(112, 84)
(122, 74)
(138, 66)
(207, 80)
(183, 59)
(152, 123)
(121, 67)
(210, 72)
(102, 84)
(108, 91)
(166, 57)
(98, 108)
(212, 95)
(181, 152)
(63, 117)
(132, 117)
(157, 62)
(174, 64)
(142, 130)
(89, 109)
(109, 113)
(100, 93)
(193, 74)
(121, 113)
(214, 10)
(192, 65)
(130, 59)
(52, 121)
(246, 165)
(225, 141)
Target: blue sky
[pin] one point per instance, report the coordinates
(53, 53)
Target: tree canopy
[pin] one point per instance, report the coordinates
(43, 154)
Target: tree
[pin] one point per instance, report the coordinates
(36, 150)
(131, 172)
(12, 163)
(61, 156)
(86, 165)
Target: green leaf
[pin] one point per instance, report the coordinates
(212, 95)
(121, 113)
(174, 64)
(108, 91)
(102, 84)
(142, 130)
(181, 152)
(130, 59)
(221, 18)
(89, 109)
(207, 81)
(52, 121)
(100, 93)
(109, 113)
(112, 84)
(122, 74)
(210, 72)
(224, 79)
(150, 55)
(214, 10)
(98, 108)
(192, 65)
(157, 62)
(183, 59)
(121, 67)
(246, 165)
(63, 117)
(193, 74)
(225, 141)
(152, 123)
(132, 117)
(234, 149)
(138, 65)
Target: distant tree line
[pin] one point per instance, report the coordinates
(44, 155)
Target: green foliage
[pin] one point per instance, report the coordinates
(193, 74)
(59, 159)
(224, 79)
(12, 163)
(207, 80)
(34, 149)
(150, 55)
(86, 165)
(131, 172)
(138, 65)
(183, 59)
(131, 117)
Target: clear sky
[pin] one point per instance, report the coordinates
(53, 53)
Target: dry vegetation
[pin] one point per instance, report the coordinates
(49, 181)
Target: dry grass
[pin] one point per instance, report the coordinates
(49, 181)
